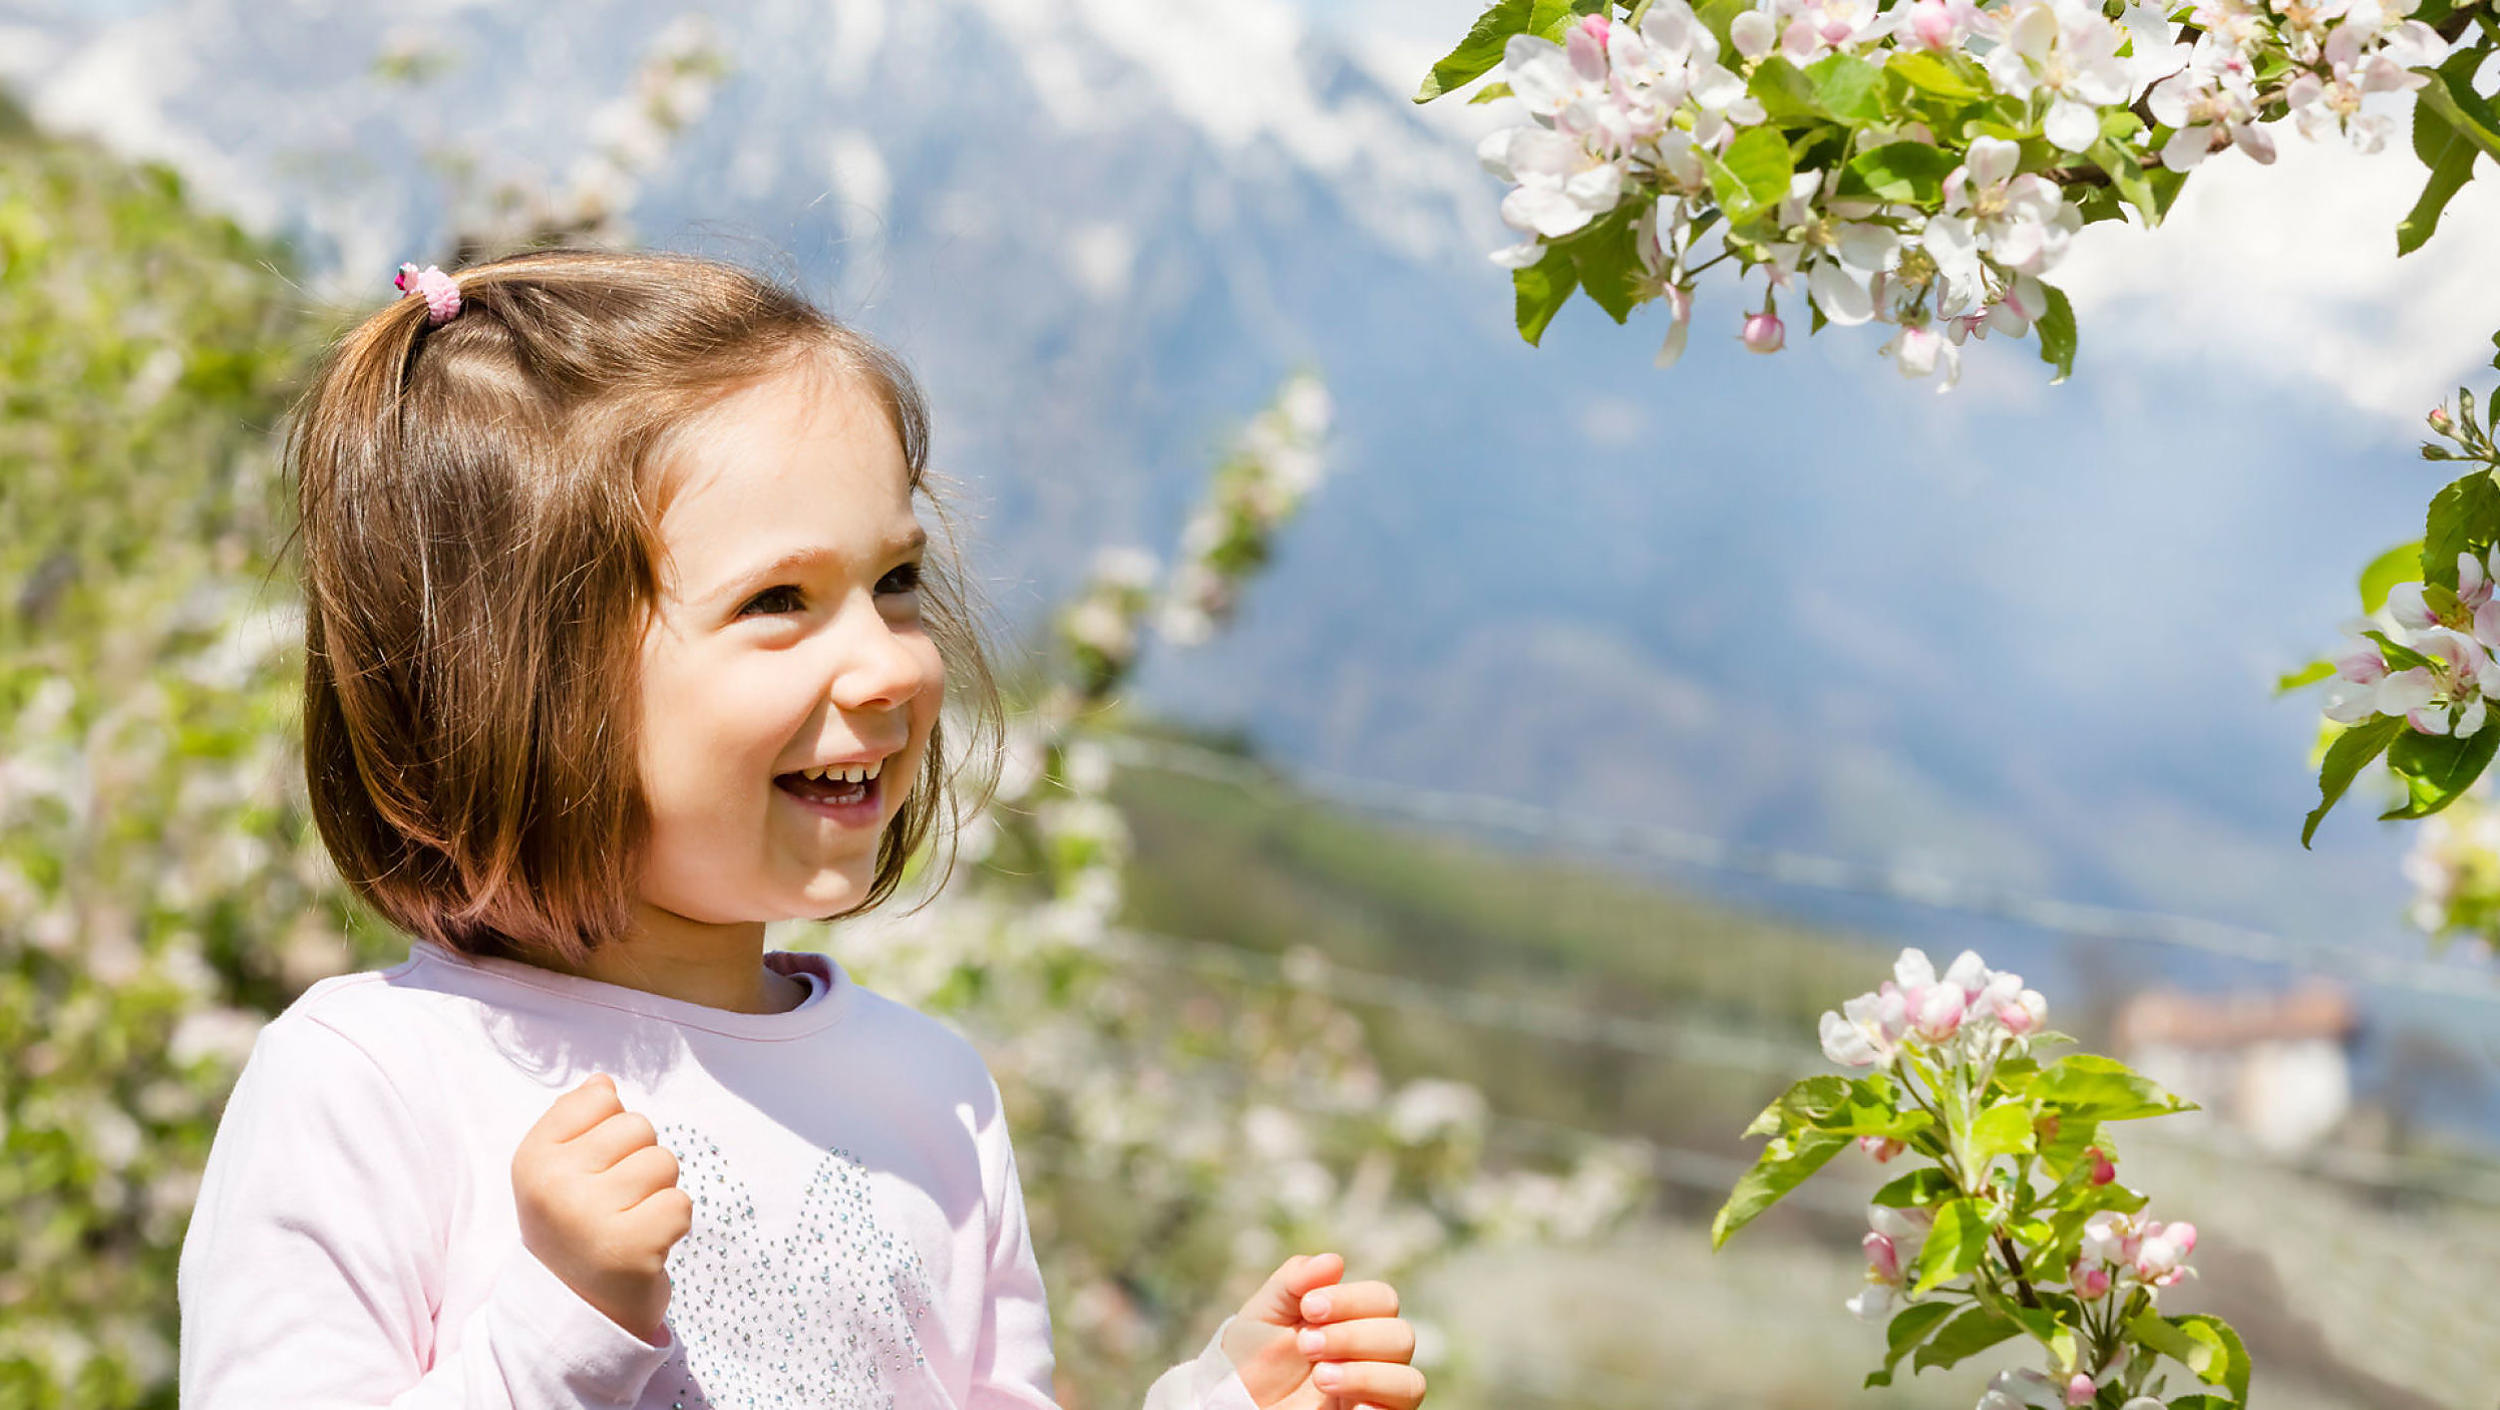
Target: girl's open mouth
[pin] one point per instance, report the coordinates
(851, 804)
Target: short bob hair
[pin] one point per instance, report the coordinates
(478, 522)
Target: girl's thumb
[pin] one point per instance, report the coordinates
(1279, 1301)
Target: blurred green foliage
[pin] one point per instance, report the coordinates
(160, 886)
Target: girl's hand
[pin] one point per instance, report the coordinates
(1307, 1342)
(598, 1202)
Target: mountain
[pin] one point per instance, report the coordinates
(2020, 634)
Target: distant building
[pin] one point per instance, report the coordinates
(2277, 1067)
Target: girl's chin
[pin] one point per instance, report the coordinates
(836, 889)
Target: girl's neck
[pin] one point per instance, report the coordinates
(716, 966)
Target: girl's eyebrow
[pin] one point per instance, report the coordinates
(801, 558)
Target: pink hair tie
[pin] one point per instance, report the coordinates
(442, 295)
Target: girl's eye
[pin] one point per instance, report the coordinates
(783, 598)
(786, 597)
(905, 578)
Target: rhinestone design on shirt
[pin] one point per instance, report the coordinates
(821, 1317)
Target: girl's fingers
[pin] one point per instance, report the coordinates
(1387, 1384)
(1365, 1339)
(1349, 1302)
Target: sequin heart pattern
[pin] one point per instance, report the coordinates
(823, 1316)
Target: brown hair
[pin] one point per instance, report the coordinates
(480, 552)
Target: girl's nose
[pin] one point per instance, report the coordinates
(879, 666)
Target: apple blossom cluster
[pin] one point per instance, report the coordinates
(2428, 660)
(2415, 680)
(1979, 1007)
(1923, 163)
(1274, 464)
(2012, 1220)
(630, 135)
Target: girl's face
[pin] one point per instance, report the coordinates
(787, 637)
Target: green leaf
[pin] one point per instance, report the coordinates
(1552, 17)
(2102, 1089)
(2218, 1334)
(2063, 1149)
(2399, 657)
(2205, 1345)
(1804, 1104)
(1846, 89)
(2057, 333)
(1786, 94)
(1930, 73)
(2127, 174)
(2167, 185)
(1907, 1330)
(1753, 175)
(2437, 768)
(1784, 1165)
(2401, 564)
(1974, 1331)
(2463, 517)
(2310, 674)
(2003, 1129)
(1954, 1246)
(1921, 1187)
(1478, 53)
(2450, 156)
(2351, 752)
(1541, 289)
(1491, 92)
(2450, 93)
(1607, 259)
(1910, 172)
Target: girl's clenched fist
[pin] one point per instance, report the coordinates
(599, 1205)
(1306, 1341)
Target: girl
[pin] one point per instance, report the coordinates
(622, 640)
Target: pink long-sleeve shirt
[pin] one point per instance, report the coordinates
(858, 1238)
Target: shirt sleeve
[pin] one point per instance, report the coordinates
(1208, 1383)
(313, 1264)
(1012, 1363)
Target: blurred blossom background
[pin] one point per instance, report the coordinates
(1448, 778)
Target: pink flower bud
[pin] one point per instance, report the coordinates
(2102, 1170)
(1883, 1261)
(1936, 1014)
(1764, 333)
(2080, 1390)
(2160, 1256)
(1597, 26)
(2090, 1281)
(1931, 23)
(1882, 1148)
(2440, 421)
